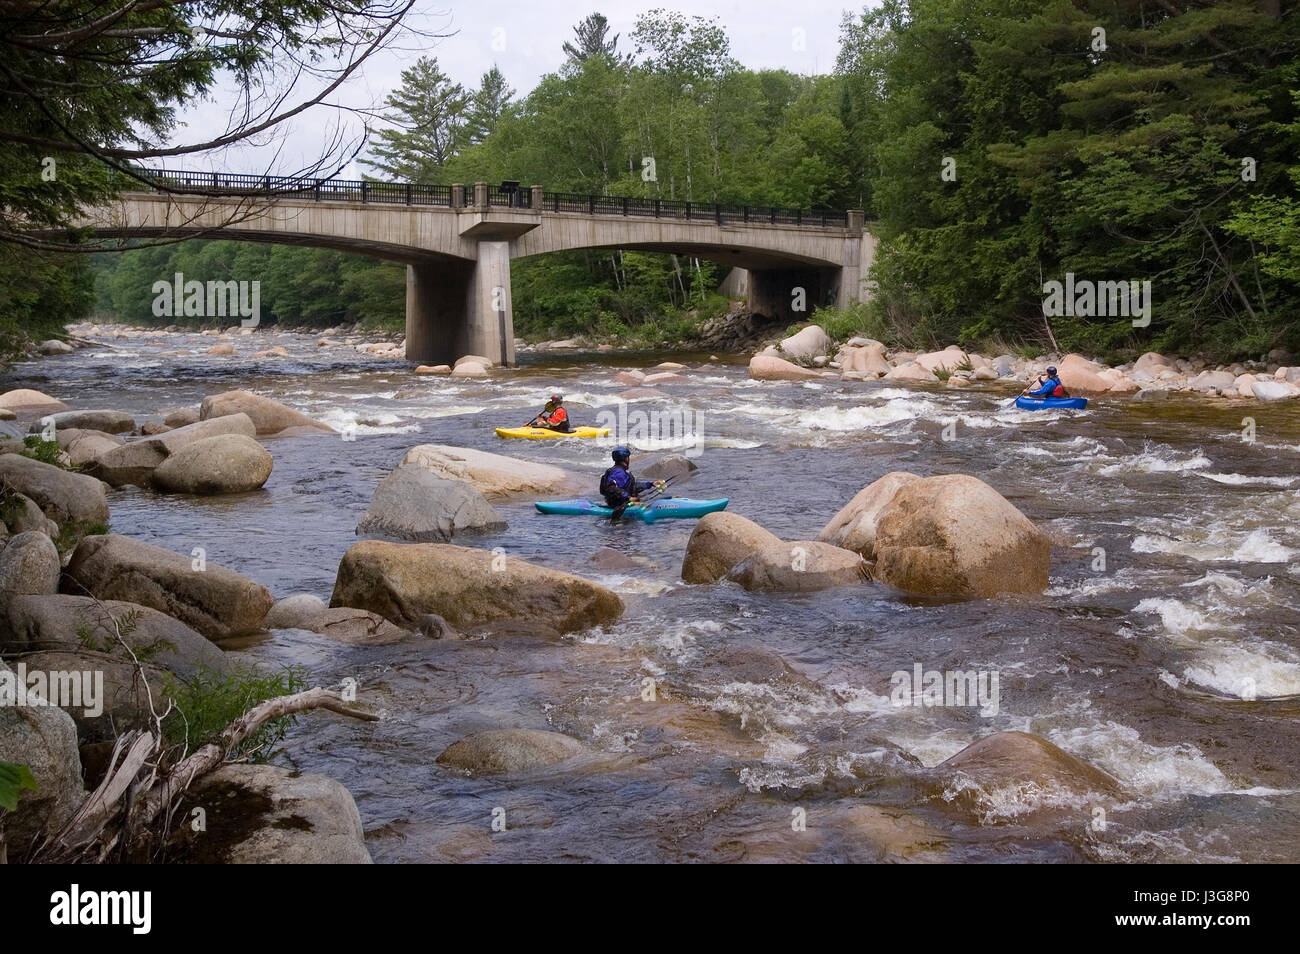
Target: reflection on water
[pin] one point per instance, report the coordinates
(1172, 662)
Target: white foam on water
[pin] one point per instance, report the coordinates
(1176, 617)
(865, 416)
(1261, 670)
(363, 422)
(1123, 579)
(1158, 461)
(1151, 770)
(1242, 480)
(1255, 546)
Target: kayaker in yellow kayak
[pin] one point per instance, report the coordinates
(619, 487)
(553, 417)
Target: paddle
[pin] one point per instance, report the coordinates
(655, 492)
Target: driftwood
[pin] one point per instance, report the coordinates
(136, 793)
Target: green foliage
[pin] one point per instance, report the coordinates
(208, 701)
(13, 779)
(1116, 163)
(47, 452)
(72, 531)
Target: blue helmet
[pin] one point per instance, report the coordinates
(621, 453)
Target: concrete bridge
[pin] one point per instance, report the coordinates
(457, 242)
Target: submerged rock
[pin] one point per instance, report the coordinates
(505, 751)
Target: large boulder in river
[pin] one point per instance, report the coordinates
(135, 462)
(665, 467)
(84, 446)
(854, 527)
(1274, 390)
(404, 582)
(29, 565)
(27, 401)
(224, 464)
(270, 815)
(413, 504)
(268, 416)
(799, 565)
(719, 541)
(766, 367)
(994, 773)
(504, 751)
(1079, 374)
(110, 422)
(911, 372)
(215, 601)
(495, 476)
(1152, 363)
(957, 536)
(811, 342)
(63, 621)
(343, 624)
(20, 513)
(950, 359)
(62, 496)
(44, 739)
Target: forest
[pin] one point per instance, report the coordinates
(994, 146)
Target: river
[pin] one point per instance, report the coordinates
(1166, 651)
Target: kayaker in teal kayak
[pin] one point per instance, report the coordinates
(1048, 387)
(619, 487)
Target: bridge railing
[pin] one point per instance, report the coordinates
(410, 193)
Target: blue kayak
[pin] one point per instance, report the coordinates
(1045, 404)
(662, 509)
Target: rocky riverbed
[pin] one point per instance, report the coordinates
(1115, 587)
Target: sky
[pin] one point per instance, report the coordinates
(525, 40)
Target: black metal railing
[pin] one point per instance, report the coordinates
(411, 193)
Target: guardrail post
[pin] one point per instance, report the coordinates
(656, 208)
(214, 182)
(772, 210)
(591, 205)
(688, 210)
(364, 191)
(458, 196)
(855, 220)
(536, 196)
(408, 193)
(625, 205)
(746, 215)
(798, 216)
(316, 190)
(717, 211)
(481, 196)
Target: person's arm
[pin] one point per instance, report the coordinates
(1042, 390)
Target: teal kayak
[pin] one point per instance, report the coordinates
(662, 509)
(1044, 404)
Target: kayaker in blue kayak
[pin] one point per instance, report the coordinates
(619, 487)
(1048, 387)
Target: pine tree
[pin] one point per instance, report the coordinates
(430, 113)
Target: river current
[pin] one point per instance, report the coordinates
(1166, 650)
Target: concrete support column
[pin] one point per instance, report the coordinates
(489, 319)
(437, 296)
(456, 307)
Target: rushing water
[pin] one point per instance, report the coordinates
(1145, 667)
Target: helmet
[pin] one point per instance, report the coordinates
(1051, 370)
(621, 453)
(557, 398)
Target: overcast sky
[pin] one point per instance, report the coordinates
(525, 39)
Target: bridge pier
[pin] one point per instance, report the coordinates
(791, 294)
(456, 307)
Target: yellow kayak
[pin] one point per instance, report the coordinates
(544, 433)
